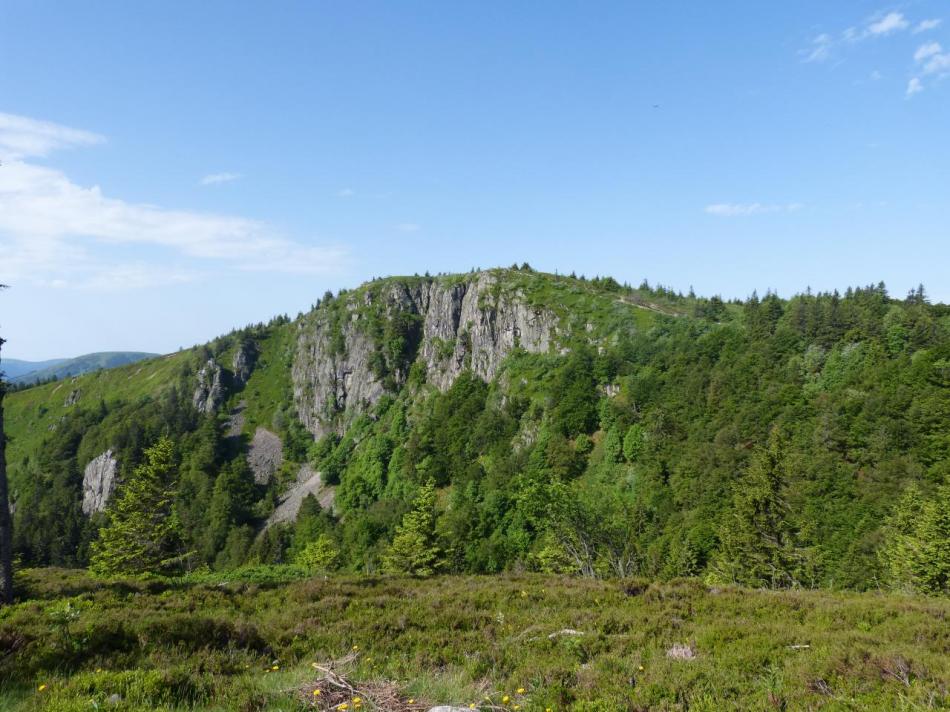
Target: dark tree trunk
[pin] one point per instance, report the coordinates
(6, 526)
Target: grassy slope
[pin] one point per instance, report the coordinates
(84, 364)
(213, 644)
(29, 414)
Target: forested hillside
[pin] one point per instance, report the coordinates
(511, 420)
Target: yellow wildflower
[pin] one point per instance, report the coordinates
(505, 700)
(516, 707)
(41, 687)
(412, 701)
(640, 668)
(356, 647)
(357, 700)
(520, 690)
(471, 706)
(276, 667)
(316, 693)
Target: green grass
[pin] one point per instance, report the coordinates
(211, 643)
(30, 414)
(269, 388)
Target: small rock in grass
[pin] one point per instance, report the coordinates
(681, 652)
(565, 631)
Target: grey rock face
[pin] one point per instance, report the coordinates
(265, 455)
(73, 397)
(243, 362)
(467, 324)
(308, 482)
(209, 392)
(98, 481)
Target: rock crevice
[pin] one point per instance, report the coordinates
(98, 481)
(455, 325)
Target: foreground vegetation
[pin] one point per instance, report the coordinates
(246, 640)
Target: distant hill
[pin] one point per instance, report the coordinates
(14, 367)
(35, 371)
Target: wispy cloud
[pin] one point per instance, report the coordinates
(819, 50)
(22, 137)
(823, 46)
(929, 58)
(932, 60)
(217, 178)
(732, 210)
(408, 227)
(54, 230)
(927, 25)
(889, 23)
(345, 193)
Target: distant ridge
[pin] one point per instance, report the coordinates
(26, 372)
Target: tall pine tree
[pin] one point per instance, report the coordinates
(142, 535)
(414, 550)
(757, 545)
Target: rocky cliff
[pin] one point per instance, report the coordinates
(210, 390)
(98, 481)
(345, 362)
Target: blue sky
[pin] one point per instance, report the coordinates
(171, 170)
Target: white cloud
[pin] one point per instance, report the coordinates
(345, 193)
(933, 60)
(216, 178)
(54, 230)
(925, 25)
(22, 137)
(823, 46)
(819, 50)
(408, 227)
(731, 210)
(876, 76)
(927, 50)
(891, 22)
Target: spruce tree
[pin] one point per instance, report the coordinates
(757, 546)
(916, 551)
(142, 534)
(414, 550)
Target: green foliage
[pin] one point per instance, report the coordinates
(916, 552)
(633, 443)
(319, 556)
(142, 534)
(413, 550)
(210, 641)
(654, 429)
(757, 539)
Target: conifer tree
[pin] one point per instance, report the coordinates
(757, 546)
(916, 551)
(414, 550)
(142, 534)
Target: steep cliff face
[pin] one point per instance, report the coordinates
(243, 362)
(448, 326)
(98, 481)
(210, 390)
